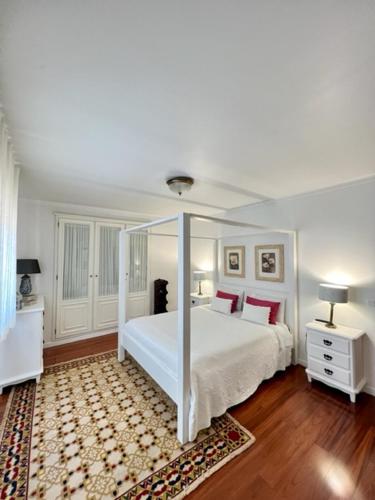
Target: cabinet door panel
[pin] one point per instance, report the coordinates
(75, 275)
(106, 275)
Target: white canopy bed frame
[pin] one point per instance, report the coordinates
(177, 385)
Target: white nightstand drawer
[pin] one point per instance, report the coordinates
(329, 371)
(199, 300)
(329, 341)
(329, 357)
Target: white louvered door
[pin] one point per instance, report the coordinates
(88, 276)
(75, 278)
(106, 275)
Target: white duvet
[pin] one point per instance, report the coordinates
(230, 357)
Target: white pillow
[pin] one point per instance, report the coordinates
(256, 314)
(280, 316)
(221, 305)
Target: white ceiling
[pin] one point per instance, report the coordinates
(254, 99)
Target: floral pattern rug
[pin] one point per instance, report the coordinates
(94, 428)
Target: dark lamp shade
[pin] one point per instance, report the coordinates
(335, 294)
(28, 266)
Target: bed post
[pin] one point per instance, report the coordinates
(293, 248)
(123, 289)
(183, 332)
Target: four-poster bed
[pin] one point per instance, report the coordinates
(210, 351)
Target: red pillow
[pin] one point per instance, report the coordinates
(230, 296)
(265, 303)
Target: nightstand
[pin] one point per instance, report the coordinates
(335, 357)
(199, 300)
(21, 353)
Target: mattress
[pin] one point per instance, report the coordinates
(229, 356)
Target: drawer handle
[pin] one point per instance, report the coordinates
(328, 371)
(327, 342)
(327, 357)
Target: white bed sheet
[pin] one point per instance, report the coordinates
(230, 357)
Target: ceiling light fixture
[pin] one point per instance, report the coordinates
(180, 184)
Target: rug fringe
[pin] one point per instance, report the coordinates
(6, 413)
(219, 465)
(80, 359)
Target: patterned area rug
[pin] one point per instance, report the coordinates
(94, 428)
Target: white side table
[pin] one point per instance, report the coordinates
(335, 357)
(21, 353)
(199, 300)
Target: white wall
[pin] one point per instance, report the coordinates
(336, 243)
(286, 288)
(163, 264)
(36, 239)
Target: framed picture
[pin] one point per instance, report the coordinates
(234, 261)
(269, 262)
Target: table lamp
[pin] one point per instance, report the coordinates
(334, 294)
(26, 267)
(200, 276)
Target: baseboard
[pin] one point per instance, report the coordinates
(367, 388)
(302, 362)
(86, 336)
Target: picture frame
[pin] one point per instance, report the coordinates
(234, 261)
(269, 263)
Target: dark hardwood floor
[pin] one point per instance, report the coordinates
(311, 441)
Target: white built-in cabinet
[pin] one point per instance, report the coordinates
(87, 276)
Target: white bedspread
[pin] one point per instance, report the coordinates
(230, 357)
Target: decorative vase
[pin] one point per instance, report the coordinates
(25, 286)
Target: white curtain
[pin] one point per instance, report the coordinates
(76, 261)
(138, 263)
(9, 175)
(108, 260)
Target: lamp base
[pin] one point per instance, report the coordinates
(331, 325)
(327, 323)
(25, 285)
(200, 288)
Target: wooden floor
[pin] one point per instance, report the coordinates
(311, 441)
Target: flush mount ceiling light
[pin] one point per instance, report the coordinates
(180, 184)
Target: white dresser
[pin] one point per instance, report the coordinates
(335, 357)
(199, 300)
(21, 353)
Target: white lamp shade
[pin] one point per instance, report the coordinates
(335, 294)
(200, 275)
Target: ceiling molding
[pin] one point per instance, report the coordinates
(234, 189)
(337, 187)
(117, 187)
